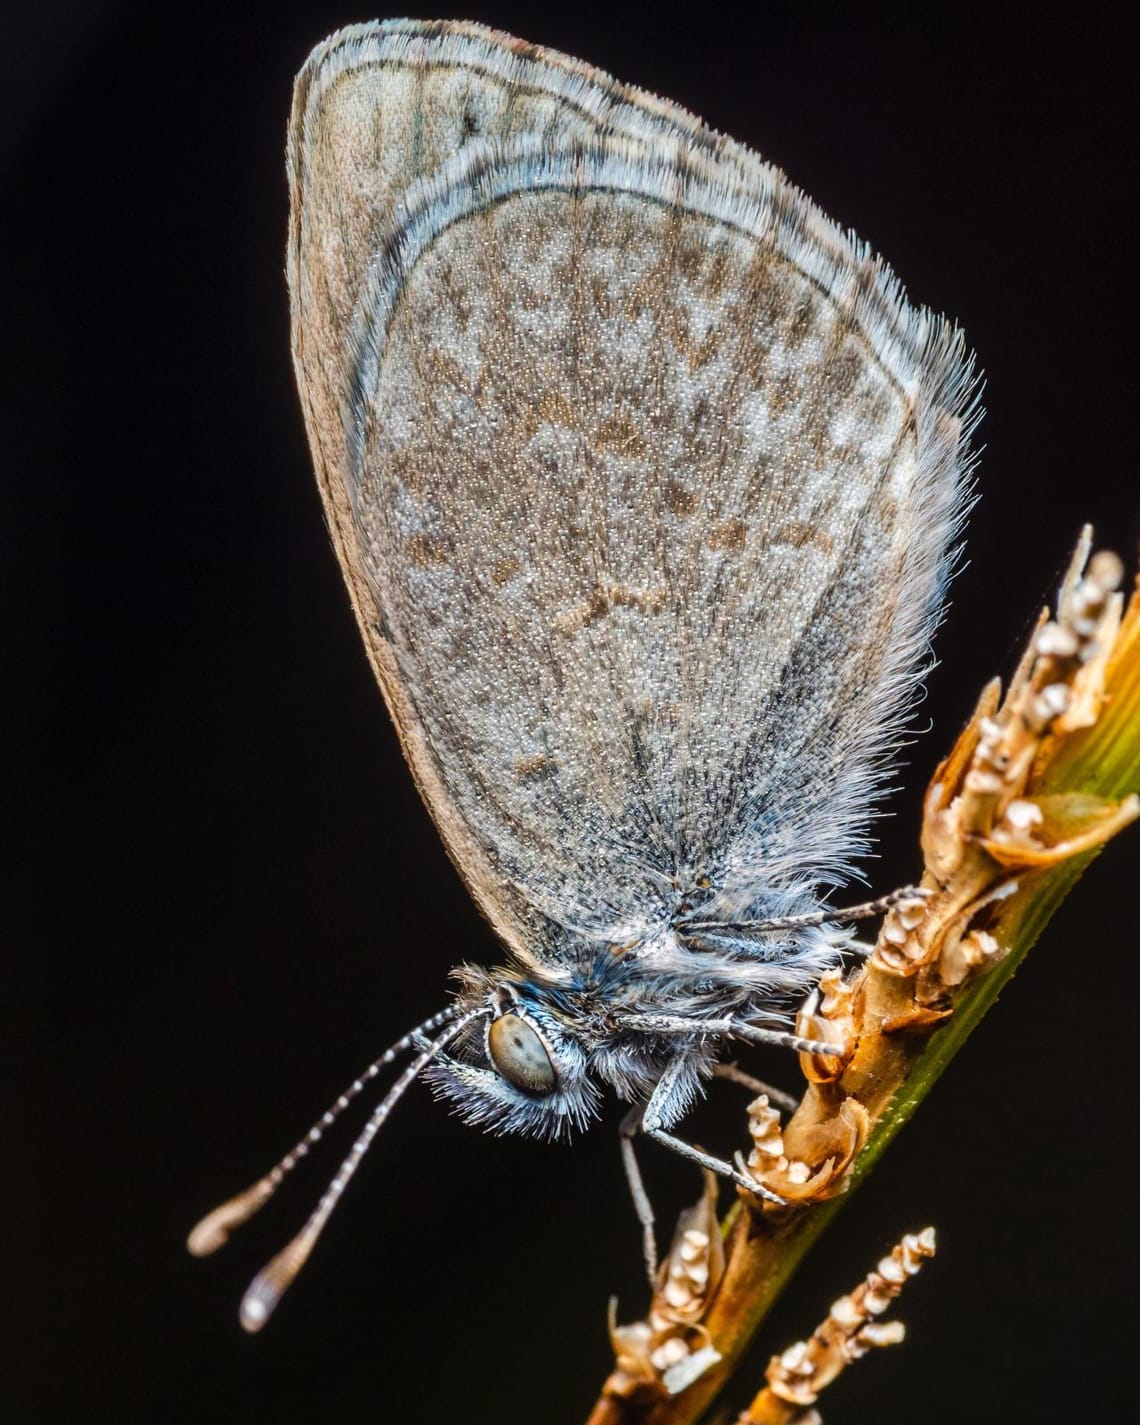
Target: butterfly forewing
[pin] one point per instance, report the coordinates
(642, 478)
(376, 108)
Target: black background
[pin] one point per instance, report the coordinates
(223, 895)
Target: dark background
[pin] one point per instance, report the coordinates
(223, 896)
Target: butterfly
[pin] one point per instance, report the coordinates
(644, 478)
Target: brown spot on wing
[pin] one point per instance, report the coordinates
(798, 534)
(505, 568)
(620, 436)
(526, 769)
(606, 597)
(728, 535)
(680, 501)
(425, 550)
(555, 410)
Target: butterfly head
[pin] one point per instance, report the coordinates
(522, 1065)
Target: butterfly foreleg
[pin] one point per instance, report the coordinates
(776, 1097)
(655, 1113)
(729, 1028)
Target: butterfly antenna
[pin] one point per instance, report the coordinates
(271, 1283)
(215, 1228)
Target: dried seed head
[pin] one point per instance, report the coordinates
(1015, 829)
(837, 994)
(829, 1015)
(1106, 571)
(791, 1375)
(690, 1367)
(911, 911)
(892, 1270)
(875, 1333)
(846, 1314)
(1022, 814)
(918, 1248)
(767, 1140)
(1056, 641)
(1051, 702)
(900, 949)
(680, 1297)
(971, 955)
(668, 1353)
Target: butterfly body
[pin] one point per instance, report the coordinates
(585, 1008)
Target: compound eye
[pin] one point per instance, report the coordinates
(520, 1055)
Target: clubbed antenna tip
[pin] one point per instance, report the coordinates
(216, 1227)
(214, 1230)
(273, 1281)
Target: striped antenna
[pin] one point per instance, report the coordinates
(271, 1283)
(215, 1228)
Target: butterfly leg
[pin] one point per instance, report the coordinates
(630, 1128)
(777, 1097)
(651, 1120)
(829, 915)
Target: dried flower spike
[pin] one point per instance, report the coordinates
(852, 1328)
(1040, 776)
(667, 1352)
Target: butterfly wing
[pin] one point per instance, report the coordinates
(642, 475)
(376, 108)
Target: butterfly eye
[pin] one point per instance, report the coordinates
(520, 1055)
